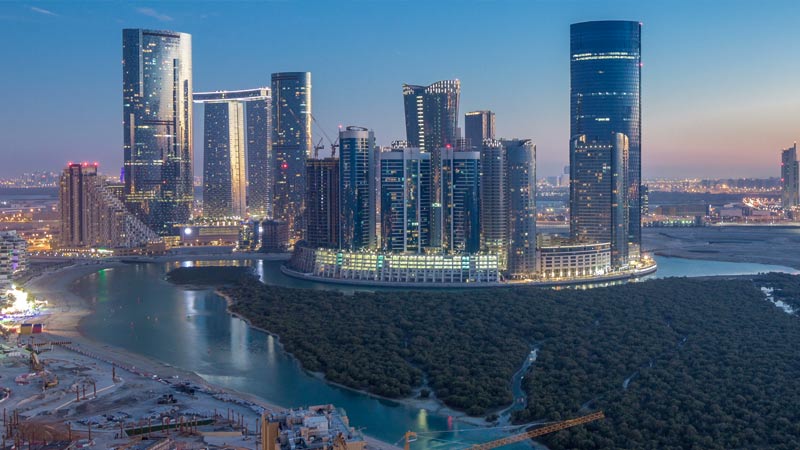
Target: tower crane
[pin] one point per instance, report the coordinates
(411, 436)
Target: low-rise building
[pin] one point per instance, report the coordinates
(566, 258)
(13, 257)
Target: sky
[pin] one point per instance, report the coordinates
(720, 84)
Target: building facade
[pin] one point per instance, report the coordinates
(605, 102)
(790, 178)
(405, 186)
(93, 216)
(460, 199)
(396, 268)
(521, 173)
(432, 114)
(357, 190)
(494, 214)
(478, 126)
(157, 126)
(599, 206)
(291, 145)
(563, 258)
(13, 258)
(236, 152)
(322, 203)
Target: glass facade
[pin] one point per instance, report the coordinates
(599, 205)
(494, 214)
(521, 170)
(322, 202)
(236, 152)
(790, 177)
(478, 126)
(357, 189)
(405, 179)
(157, 126)
(291, 145)
(460, 178)
(432, 114)
(605, 101)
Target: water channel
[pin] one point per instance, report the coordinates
(136, 309)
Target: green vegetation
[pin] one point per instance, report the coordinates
(209, 275)
(674, 363)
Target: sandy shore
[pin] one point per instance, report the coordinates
(66, 309)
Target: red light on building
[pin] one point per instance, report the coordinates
(284, 166)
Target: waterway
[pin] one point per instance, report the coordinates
(137, 310)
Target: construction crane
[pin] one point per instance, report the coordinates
(334, 144)
(317, 148)
(410, 436)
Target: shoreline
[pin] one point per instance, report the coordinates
(432, 404)
(65, 311)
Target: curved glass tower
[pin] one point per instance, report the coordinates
(157, 126)
(605, 102)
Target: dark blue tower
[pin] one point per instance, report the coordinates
(605, 101)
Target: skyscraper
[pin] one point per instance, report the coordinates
(494, 212)
(236, 148)
(478, 126)
(357, 189)
(260, 163)
(91, 215)
(322, 202)
(460, 178)
(521, 169)
(432, 114)
(605, 106)
(599, 205)
(157, 126)
(405, 200)
(291, 145)
(790, 177)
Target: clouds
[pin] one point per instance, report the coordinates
(46, 12)
(150, 12)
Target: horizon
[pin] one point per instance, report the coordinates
(707, 112)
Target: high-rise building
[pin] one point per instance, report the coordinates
(599, 205)
(236, 135)
(405, 200)
(157, 126)
(460, 178)
(790, 177)
(478, 126)
(605, 105)
(521, 171)
(322, 202)
(357, 189)
(291, 145)
(92, 216)
(432, 114)
(494, 213)
(13, 258)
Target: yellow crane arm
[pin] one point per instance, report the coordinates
(540, 431)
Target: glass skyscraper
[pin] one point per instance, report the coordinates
(432, 114)
(357, 189)
(236, 152)
(478, 126)
(157, 126)
(605, 102)
(494, 212)
(291, 145)
(322, 202)
(405, 200)
(460, 178)
(790, 177)
(521, 171)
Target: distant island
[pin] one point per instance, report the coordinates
(674, 363)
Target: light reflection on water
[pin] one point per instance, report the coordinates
(189, 328)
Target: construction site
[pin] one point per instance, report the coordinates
(56, 395)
